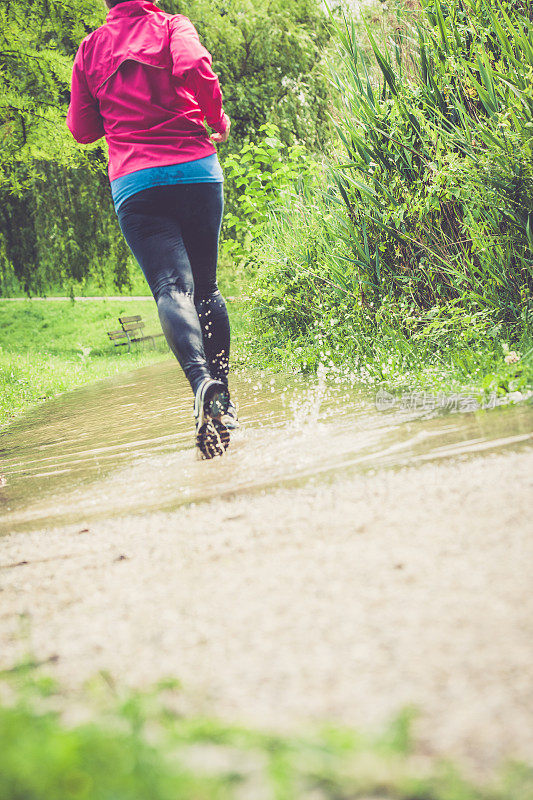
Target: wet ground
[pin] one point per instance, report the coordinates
(340, 563)
(125, 445)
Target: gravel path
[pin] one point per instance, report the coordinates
(341, 601)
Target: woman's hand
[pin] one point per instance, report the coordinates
(220, 138)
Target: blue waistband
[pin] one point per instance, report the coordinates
(201, 170)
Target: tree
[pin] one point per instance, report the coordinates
(57, 223)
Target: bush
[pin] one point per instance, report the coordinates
(424, 237)
(259, 177)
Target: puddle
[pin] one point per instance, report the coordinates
(125, 445)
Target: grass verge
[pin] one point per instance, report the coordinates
(134, 746)
(50, 346)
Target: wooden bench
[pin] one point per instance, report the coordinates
(132, 331)
(120, 338)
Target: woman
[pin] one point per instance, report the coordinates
(144, 81)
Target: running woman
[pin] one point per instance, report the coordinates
(144, 81)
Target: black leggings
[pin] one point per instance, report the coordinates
(173, 233)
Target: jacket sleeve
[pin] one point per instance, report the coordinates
(83, 117)
(191, 66)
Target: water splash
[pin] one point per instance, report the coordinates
(126, 444)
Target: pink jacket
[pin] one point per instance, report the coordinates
(144, 81)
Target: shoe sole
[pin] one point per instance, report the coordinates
(212, 439)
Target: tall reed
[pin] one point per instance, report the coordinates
(438, 181)
(421, 231)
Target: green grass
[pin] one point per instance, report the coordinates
(51, 346)
(307, 311)
(133, 746)
(371, 355)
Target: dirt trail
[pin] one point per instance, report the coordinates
(342, 601)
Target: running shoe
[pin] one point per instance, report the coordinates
(210, 404)
(230, 419)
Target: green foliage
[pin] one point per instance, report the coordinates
(259, 176)
(38, 41)
(60, 233)
(40, 759)
(268, 56)
(513, 375)
(137, 747)
(415, 250)
(57, 222)
(439, 174)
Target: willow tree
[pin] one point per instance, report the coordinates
(57, 224)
